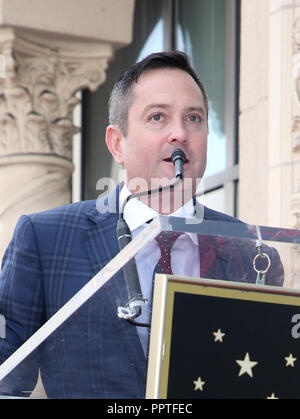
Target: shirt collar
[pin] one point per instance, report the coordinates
(136, 213)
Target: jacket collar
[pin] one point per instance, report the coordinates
(104, 206)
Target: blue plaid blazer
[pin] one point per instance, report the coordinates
(94, 353)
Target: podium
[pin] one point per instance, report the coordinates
(230, 334)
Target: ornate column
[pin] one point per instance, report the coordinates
(40, 74)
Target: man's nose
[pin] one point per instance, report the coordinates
(178, 133)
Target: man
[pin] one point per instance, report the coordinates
(167, 108)
(157, 106)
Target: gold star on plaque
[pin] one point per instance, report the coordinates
(198, 384)
(290, 360)
(218, 335)
(246, 365)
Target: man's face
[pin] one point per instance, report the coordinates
(167, 112)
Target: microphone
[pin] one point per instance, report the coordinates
(136, 300)
(178, 159)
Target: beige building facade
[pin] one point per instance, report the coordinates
(269, 170)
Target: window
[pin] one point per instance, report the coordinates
(207, 31)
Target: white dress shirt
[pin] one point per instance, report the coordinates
(184, 254)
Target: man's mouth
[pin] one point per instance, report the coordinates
(169, 160)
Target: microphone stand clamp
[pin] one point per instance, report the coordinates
(132, 310)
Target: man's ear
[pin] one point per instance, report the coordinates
(114, 140)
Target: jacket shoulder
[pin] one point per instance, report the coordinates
(69, 213)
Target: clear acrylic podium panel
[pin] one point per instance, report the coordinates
(76, 352)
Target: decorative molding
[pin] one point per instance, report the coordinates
(38, 94)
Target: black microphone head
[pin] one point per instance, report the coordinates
(178, 159)
(178, 154)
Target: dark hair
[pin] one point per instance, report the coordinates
(122, 94)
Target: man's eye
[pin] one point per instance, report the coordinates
(194, 118)
(157, 117)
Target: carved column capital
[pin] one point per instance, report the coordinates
(38, 93)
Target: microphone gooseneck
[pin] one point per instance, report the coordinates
(133, 308)
(136, 300)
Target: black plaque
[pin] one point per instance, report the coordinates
(230, 341)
